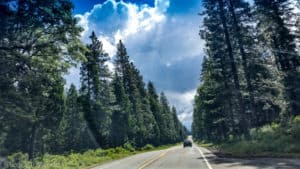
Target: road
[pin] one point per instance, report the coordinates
(196, 158)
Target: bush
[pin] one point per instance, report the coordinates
(72, 160)
(128, 146)
(53, 162)
(147, 147)
(270, 140)
(17, 161)
(295, 128)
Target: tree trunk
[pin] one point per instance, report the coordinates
(228, 87)
(244, 61)
(243, 123)
(32, 141)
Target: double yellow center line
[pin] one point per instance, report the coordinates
(149, 162)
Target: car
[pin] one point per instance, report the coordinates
(187, 143)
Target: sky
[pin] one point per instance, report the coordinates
(161, 37)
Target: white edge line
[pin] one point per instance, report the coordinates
(206, 161)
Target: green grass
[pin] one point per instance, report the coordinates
(268, 141)
(84, 160)
(206, 144)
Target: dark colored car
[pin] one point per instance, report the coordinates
(187, 143)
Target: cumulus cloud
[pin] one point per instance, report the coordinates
(162, 40)
(118, 20)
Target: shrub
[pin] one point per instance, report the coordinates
(295, 128)
(100, 153)
(72, 160)
(17, 161)
(270, 139)
(147, 147)
(53, 162)
(128, 146)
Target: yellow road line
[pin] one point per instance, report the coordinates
(149, 162)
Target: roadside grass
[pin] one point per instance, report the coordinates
(273, 140)
(205, 144)
(86, 160)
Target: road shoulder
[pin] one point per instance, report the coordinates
(223, 162)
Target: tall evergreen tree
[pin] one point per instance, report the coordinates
(168, 134)
(222, 71)
(211, 120)
(148, 127)
(257, 74)
(146, 115)
(178, 127)
(275, 34)
(156, 109)
(39, 40)
(244, 124)
(120, 116)
(72, 133)
(141, 120)
(246, 82)
(96, 92)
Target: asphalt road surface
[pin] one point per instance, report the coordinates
(196, 158)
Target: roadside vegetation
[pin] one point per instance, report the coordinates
(72, 160)
(275, 140)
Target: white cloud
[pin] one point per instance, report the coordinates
(163, 44)
(83, 22)
(108, 47)
(73, 77)
(118, 20)
(162, 5)
(184, 99)
(150, 33)
(186, 118)
(184, 104)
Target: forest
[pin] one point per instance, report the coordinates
(250, 77)
(248, 96)
(39, 43)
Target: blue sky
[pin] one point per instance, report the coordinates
(161, 37)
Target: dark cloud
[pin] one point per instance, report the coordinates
(180, 76)
(170, 54)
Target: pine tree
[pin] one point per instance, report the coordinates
(96, 92)
(210, 116)
(258, 85)
(120, 117)
(275, 34)
(244, 124)
(148, 126)
(156, 109)
(220, 72)
(180, 133)
(258, 76)
(169, 133)
(233, 97)
(73, 128)
(143, 119)
(105, 94)
(39, 41)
